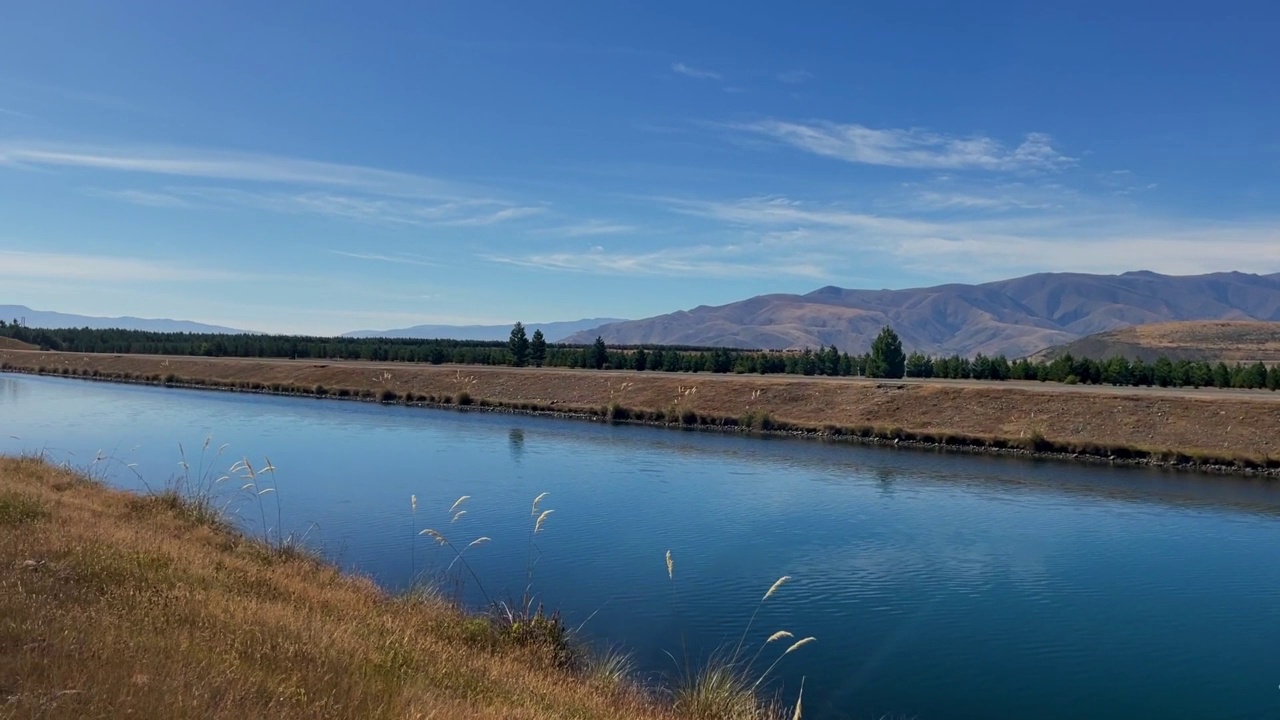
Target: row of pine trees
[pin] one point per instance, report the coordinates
(886, 358)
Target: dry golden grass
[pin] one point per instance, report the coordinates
(115, 605)
(11, 344)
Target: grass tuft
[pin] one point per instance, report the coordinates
(17, 508)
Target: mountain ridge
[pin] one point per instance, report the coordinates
(1014, 317)
(50, 319)
(554, 331)
(1231, 341)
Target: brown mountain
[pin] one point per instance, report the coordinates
(1012, 317)
(1212, 340)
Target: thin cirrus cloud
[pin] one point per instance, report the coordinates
(1083, 237)
(145, 198)
(244, 167)
(731, 262)
(694, 72)
(589, 228)
(361, 208)
(24, 265)
(910, 147)
(794, 77)
(276, 184)
(402, 259)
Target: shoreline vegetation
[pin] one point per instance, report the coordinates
(154, 605)
(1239, 434)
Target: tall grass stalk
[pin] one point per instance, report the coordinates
(459, 558)
(725, 686)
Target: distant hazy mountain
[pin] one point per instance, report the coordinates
(553, 331)
(47, 319)
(1013, 317)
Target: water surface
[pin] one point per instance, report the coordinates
(938, 585)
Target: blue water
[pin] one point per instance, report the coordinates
(938, 585)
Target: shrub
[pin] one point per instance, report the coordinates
(537, 628)
(464, 398)
(688, 417)
(618, 412)
(388, 395)
(320, 390)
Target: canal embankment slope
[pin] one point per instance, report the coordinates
(1211, 428)
(122, 605)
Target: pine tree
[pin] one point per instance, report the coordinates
(519, 345)
(887, 359)
(918, 365)
(599, 354)
(1255, 376)
(538, 349)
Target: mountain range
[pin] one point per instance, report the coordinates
(553, 331)
(49, 319)
(1013, 317)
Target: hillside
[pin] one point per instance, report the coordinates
(1237, 341)
(554, 331)
(49, 319)
(7, 343)
(1014, 317)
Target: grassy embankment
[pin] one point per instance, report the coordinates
(115, 605)
(1238, 431)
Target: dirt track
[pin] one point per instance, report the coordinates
(1224, 422)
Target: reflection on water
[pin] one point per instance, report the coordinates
(515, 438)
(939, 585)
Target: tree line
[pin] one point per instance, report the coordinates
(886, 359)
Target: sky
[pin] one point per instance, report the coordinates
(321, 167)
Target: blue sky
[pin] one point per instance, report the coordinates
(321, 167)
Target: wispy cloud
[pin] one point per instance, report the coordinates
(693, 72)
(14, 113)
(141, 197)
(1088, 236)
(399, 259)
(795, 77)
(588, 228)
(497, 216)
(910, 147)
(705, 261)
(361, 208)
(277, 184)
(936, 200)
(781, 211)
(19, 264)
(244, 167)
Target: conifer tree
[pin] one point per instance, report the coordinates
(887, 359)
(538, 349)
(519, 346)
